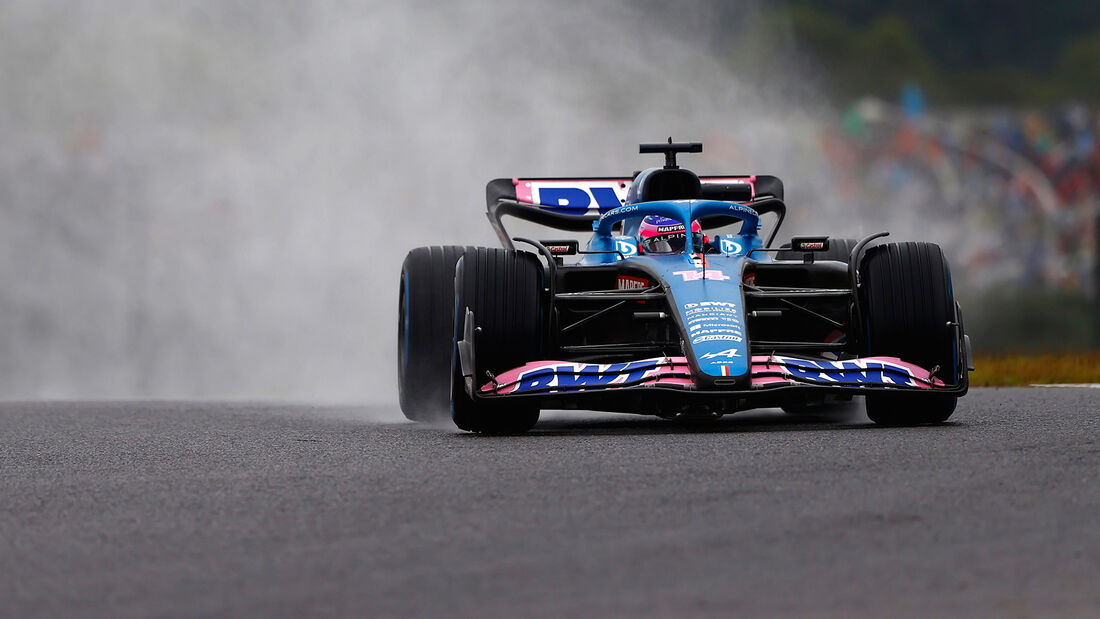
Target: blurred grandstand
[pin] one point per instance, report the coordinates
(1001, 165)
(1014, 191)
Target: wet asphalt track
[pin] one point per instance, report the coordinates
(205, 509)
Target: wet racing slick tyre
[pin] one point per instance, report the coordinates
(907, 302)
(425, 332)
(504, 290)
(839, 249)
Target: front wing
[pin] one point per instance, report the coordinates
(666, 384)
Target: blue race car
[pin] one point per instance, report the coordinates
(675, 306)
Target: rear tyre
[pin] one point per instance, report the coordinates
(839, 249)
(504, 290)
(907, 303)
(425, 332)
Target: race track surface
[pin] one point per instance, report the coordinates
(204, 509)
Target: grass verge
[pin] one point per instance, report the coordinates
(1016, 370)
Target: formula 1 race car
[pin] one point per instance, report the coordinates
(676, 306)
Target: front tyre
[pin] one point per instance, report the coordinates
(907, 304)
(504, 290)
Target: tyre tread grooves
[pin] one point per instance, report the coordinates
(907, 301)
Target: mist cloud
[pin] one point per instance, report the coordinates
(214, 199)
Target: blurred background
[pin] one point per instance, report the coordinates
(213, 199)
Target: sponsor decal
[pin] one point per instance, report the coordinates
(725, 327)
(744, 210)
(675, 228)
(575, 375)
(709, 321)
(750, 279)
(559, 376)
(869, 371)
(712, 311)
(710, 304)
(728, 353)
(626, 248)
(574, 197)
(726, 246)
(716, 338)
(808, 245)
(847, 371)
(714, 318)
(626, 282)
(711, 318)
(703, 314)
(693, 276)
(560, 247)
(735, 335)
(619, 211)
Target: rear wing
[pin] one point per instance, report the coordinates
(572, 204)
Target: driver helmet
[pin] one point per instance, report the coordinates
(661, 235)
